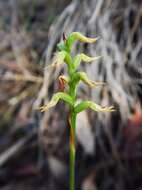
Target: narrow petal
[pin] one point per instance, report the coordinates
(78, 36)
(88, 104)
(83, 77)
(59, 59)
(85, 58)
(55, 99)
(88, 59)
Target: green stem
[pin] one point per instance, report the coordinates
(72, 150)
(72, 120)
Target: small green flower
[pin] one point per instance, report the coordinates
(82, 57)
(76, 36)
(55, 99)
(83, 77)
(95, 107)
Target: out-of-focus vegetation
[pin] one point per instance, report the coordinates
(34, 146)
(24, 36)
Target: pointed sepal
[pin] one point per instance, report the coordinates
(89, 104)
(77, 36)
(55, 99)
(82, 57)
(60, 58)
(84, 78)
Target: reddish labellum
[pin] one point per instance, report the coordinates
(61, 84)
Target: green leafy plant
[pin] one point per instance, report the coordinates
(64, 55)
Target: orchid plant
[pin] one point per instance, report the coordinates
(64, 55)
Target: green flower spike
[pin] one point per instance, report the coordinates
(70, 97)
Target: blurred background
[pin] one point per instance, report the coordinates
(34, 146)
